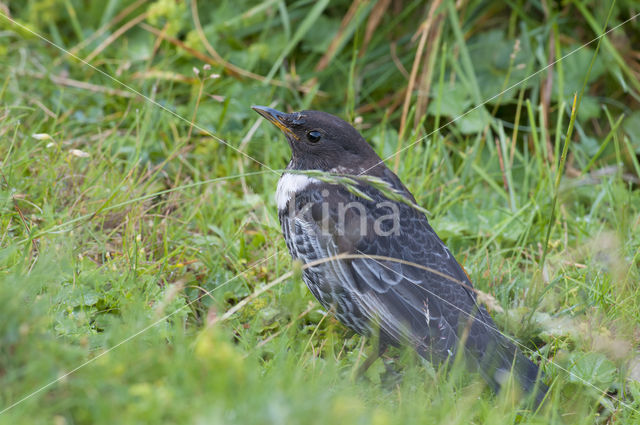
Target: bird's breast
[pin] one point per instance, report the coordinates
(290, 184)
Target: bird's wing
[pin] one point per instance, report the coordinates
(405, 280)
(426, 306)
(421, 284)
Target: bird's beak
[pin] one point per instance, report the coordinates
(275, 118)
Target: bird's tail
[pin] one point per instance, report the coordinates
(502, 360)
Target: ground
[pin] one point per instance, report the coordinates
(143, 276)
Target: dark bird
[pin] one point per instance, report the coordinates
(396, 278)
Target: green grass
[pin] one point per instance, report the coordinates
(126, 234)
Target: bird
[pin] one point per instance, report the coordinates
(374, 261)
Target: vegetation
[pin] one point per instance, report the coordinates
(143, 276)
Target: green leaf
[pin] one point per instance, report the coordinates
(631, 126)
(593, 368)
(491, 54)
(576, 67)
(455, 101)
(472, 123)
(78, 296)
(319, 39)
(304, 27)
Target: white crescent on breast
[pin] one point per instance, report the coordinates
(290, 184)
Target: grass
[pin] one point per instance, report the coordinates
(128, 236)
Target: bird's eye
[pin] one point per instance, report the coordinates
(314, 136)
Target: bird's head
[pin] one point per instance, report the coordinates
(321, 141)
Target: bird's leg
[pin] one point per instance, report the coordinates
(381, 348)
